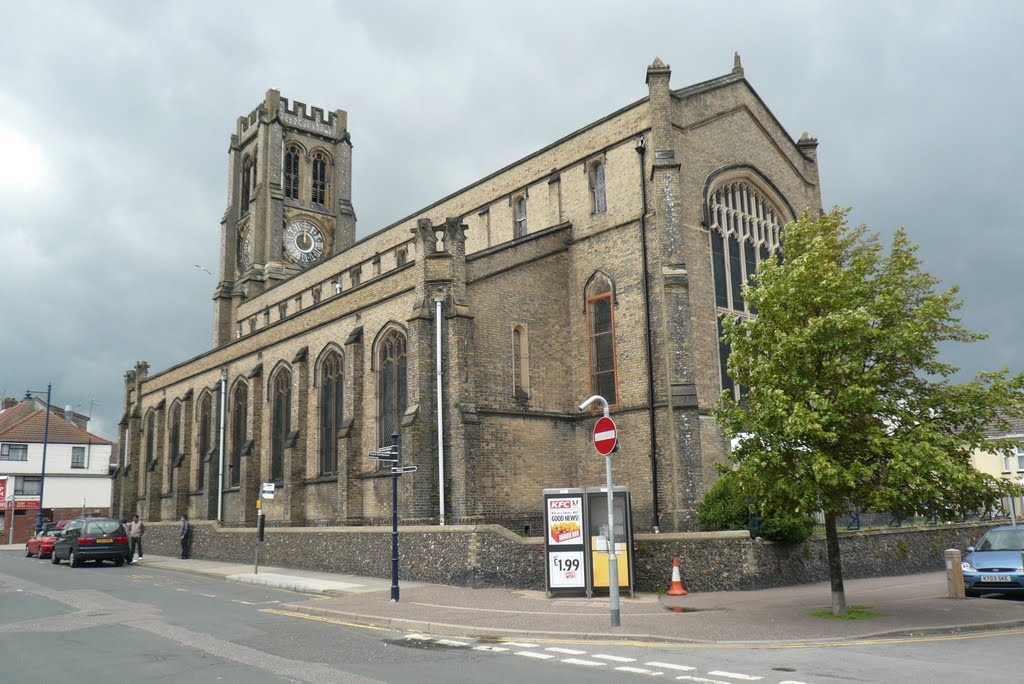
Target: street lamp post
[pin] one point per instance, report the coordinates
(46, 435)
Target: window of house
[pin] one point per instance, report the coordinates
(1020, 459)
(13, 452)
(744, 231)
(520, 362)
(319, 179)
(28, 485)
(78, 457)
(596, 180)
(239, 431)
(291, 172)
(281, 422)
(205, 431)
(173, 445)
(247, 179)
(519, 216)
(332, 395)
(401, 256)
(1007, 463)
(601, 327)
(391, 385)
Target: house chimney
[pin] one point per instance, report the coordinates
(9, 402)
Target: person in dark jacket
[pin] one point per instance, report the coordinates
(186, 532)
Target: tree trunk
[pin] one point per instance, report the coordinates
(835, 565)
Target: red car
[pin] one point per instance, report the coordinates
(42, 545)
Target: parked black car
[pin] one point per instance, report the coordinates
(96, 539)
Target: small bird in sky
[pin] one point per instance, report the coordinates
(203, 268)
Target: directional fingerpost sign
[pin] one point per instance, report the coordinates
(385, 454)
(605, 436)
(403, 469)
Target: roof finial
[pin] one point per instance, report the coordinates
(737, 65)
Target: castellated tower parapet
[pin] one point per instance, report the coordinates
(289, 200)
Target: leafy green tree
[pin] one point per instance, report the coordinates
(726, 507)
(848, 404)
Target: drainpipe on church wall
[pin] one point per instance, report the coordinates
(440, 407)
(220, 449)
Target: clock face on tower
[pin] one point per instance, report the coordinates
(244, 251)
(303, 241)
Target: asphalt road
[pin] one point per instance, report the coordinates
(133, 624)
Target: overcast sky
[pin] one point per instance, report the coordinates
(115, 120)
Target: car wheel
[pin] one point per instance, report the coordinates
(54, 559)
(73, 559)
(119, 561)
(28, 552)
(972, 593)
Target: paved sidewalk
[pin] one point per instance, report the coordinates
(907, 605)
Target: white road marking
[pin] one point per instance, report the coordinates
(486, 647)
(702, 680)
(790, 681)
(638, 670)
(451, 642)
(519, 644)
(209, 595)
(733, 675)
(534, 654)
(580, 661)
(670, 666)
(254, 603)
(182, 589)
(617, 659)
(418, 637)
(566, 651)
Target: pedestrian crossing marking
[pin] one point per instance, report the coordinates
(638, 670)
(670, 666)
(580, 661)
(519, 644)
(617, 659)
(534, 654)
(566, 651)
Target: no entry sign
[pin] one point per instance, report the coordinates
(605, 436)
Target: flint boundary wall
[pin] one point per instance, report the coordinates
(491, 556)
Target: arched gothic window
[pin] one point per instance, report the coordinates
(291, 172)
(282, 422)
(744, 229)
(239, 431)
(332, 395)
(319, 179)
(205, 433)
(150, 437)
(391, 385)
(519, 216)
(596, 180)
(173, 445)
(601, 330)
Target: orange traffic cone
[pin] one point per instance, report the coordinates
(676, 588)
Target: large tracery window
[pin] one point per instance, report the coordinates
(744, 230)
(291, 172)
(332, 395)
(239, 431)
(150, 437)
(282, 422)
(319, 179)
(601, 329)
(391, 388)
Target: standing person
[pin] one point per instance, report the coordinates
(135, 531)
(186, 530)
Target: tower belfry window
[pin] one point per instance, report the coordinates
(319, 179)
(597, 195)
(247, 180)
(291, 173)
(519, 216)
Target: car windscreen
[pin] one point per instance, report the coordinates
(101, 527)
(1002, 540)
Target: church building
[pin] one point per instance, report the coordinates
(602, 263)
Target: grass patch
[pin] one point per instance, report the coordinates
(852, 613)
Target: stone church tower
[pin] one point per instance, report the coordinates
(289, 201)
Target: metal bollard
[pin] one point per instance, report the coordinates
(954, 574)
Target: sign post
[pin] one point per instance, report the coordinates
(606, 440)
(391, 455)
(266, 492)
